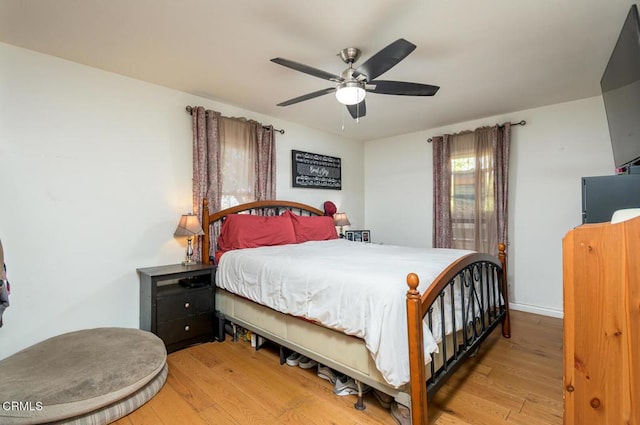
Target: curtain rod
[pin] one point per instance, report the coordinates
(523, 122)
(190, 110)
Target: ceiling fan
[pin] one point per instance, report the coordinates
(354, 83)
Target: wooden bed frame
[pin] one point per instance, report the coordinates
(482, 309)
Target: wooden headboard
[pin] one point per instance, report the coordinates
(274, 207)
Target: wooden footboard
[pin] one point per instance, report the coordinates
(477, 284)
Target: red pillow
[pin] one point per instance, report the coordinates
(330, 208)
(312, 228)
(252, 231)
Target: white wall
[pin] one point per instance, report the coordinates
(559, 144)
(95, 170)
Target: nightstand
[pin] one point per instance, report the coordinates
(181, 314)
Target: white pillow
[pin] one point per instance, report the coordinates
(624, 215)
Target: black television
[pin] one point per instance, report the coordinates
(603, 195)
(620, 86)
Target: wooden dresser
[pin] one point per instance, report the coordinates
(601, 267)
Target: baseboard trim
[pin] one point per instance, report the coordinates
(537, 310)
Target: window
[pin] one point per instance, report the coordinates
(237, 162)
(472, 200)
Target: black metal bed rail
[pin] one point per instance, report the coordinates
(468, 308)
(274, 211)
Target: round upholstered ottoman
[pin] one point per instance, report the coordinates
(92, 376)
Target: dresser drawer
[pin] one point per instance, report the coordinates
(188, 302)
(185, 328)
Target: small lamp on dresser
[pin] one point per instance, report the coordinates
(340, 219)
(189, 226)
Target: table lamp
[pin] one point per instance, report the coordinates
(340, 219)
(189, 226)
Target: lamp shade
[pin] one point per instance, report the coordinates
(340, 219)
(189, 226)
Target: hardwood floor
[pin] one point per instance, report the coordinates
(510, 381)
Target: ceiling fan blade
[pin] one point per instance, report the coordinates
(307, 96)
(358, 110)
(401, 88)
(385, 59)
(307, 69)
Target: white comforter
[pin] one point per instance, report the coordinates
(357, 288)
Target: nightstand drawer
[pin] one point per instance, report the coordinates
(187, 302)
(186, 328)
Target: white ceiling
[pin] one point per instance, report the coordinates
(488, 57)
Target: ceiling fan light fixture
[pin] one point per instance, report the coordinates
(350, 92)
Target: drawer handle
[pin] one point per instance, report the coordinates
(186, 328)
(187, 305)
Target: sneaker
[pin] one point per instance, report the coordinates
(400, 413)
(383, 398)
(327, 373)
(348, 386)
(307, 363)
(294, 359)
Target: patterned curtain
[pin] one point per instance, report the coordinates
(265, 163)
(502, 145)
(471, 189)
(441, 192)
(207, 180)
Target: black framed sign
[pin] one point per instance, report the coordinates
(315, 171)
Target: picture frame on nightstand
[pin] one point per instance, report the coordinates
(358, 235)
